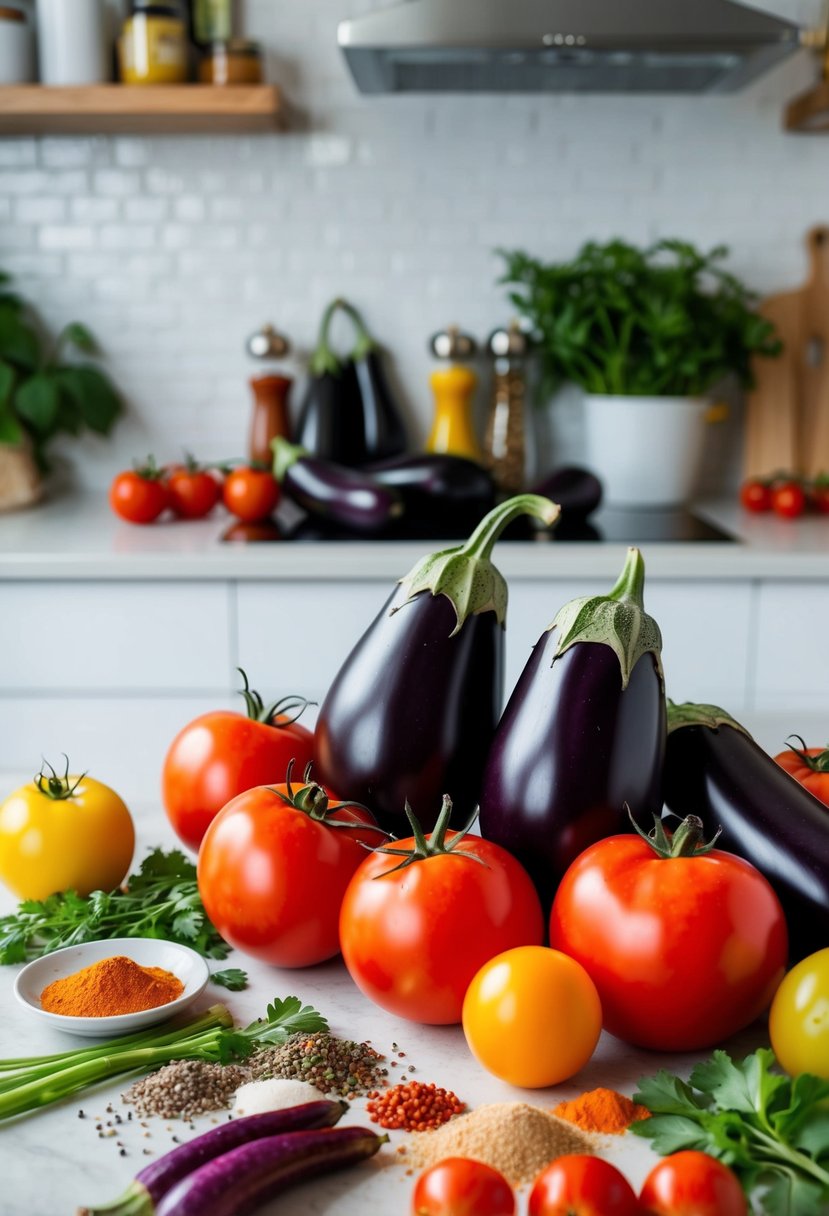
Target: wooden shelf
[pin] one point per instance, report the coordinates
(104, 109)
(809, 113)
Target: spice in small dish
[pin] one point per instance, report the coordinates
(601, 1110)
(109, 988)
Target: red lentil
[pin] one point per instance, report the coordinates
(413, 1107)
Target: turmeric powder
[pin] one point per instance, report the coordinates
(602, 1110)
(112, 986)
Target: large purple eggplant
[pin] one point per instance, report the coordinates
(583, 734)
(444, 495)
(715, 769)
(343, 496)
(410, 715)
(330, 420)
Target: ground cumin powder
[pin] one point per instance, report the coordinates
(602, 1110)
(112, 986)
(513, 1137)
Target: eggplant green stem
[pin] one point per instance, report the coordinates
(482, 540)
(135, 1201)
(365, 343)
(325, 361)
(689, 713)
(630, 585)
(284, 455)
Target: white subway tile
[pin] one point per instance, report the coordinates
(130, 153)
(17, 152)
(44, 210)
(65, 153)
(116, 182)
(189, 209)
(145, 210)
(126, 236)
(63, 237)
(93, 210)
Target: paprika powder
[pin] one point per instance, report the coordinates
(601, 1110)
(110, 987)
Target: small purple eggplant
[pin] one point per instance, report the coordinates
(340, 495)
(583, 733)
(410, 715)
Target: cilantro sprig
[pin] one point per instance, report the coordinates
(772, 1130)
(161, 900)
(232, 978)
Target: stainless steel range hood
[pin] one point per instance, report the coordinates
(539, 46)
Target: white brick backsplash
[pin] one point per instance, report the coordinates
(40, 210)
(126, 236)
(145, 210)
(189, 209)
(73, 153)
(93, 210)
(118, 182)
(17, 237)
(65, 237)
(17, 152)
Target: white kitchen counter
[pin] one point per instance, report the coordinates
(78, 537)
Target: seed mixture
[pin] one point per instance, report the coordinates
(513, 1137)
(334, 1066)
(413, 1107)
(184, 1089)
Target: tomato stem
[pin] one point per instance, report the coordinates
(312, 800)
(59, 789)
(686, 841)
(819, 763)
(257, 711)
(434, 845)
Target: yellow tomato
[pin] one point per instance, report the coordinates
(532, 1016)
(64, 834)
(799, 1018)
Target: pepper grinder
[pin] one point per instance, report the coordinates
(270, 395)
(505, 442)
(453, 388)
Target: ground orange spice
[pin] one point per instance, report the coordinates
(112, 986)
(601, 1110)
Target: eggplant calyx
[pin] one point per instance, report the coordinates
(58, 789)
(433, 845)
(289, 709)
(285, 454)
(364, 343)
(134, 1201)
(312, 800)
(687, 841)
(818, 763)
(688, 713)
(465, 573)
(617, 620)
(324, 361)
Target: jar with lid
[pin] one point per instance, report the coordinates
(236, 61)
(506, 447)
(153, 45)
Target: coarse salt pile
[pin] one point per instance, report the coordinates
(259, 1097)
(513, 1137)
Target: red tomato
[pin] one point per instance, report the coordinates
(139, 495)
(581, 1185)
(193, 492)
(250, 494)
(273, 867)
(755, 495)
(819, 497)
(413, 935)
(461, 1187)
(692, 1184)
(684, 950)
(788, 499)
(222, 754)
(809, 766)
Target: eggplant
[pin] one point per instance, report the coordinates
(410, 715)
(153, 1182)
(583, 734)
(243, 1179)
(577, 491)
(714, 768)
(442, 494)
(346, 497)
(330, 422)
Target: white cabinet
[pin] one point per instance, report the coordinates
(792, 648)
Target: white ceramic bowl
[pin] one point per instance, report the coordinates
(185, 963)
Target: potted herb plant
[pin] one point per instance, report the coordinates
(43, 394)
(647, 334)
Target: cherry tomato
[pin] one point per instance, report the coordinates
(193, 492)
(273, 867)
(799, 1017)
(221, 754)
(684, 950)
(413, 935)
(692, 1184)
(755, 495)
(788, 499)
(64, 833)
(250, 494)
(532, 1017)
(581, 1185)
(819, 497)
(809, 766)
(139, 495)
(461, 1187)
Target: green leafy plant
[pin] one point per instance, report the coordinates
(41, 393)
(772, 1130)
(661, 321)
(232, 978)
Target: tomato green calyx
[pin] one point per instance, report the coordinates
(688, 713)
(617, 620)
(312, 800)
(289, 709)
(59, 789)
(435, 844)
(465, 573)
(819, 763)
(149, 470)
(687, 841)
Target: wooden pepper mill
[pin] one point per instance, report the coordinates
(270, 396)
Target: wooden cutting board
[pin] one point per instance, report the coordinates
(787, 418)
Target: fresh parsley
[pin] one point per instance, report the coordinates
(161, 900)
(772, 1130)
(232, 978)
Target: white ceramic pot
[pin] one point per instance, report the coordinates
(646, 450)
(71, 42)
(17, 50)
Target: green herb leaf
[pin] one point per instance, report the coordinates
(78, 335)
(671, 1133)
(19, 343)
(95, 399)
(37, 402)
(232, 978)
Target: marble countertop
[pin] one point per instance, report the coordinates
(53, 1160)
(77, 537)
